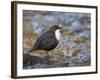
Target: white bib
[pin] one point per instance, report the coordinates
(57, 34)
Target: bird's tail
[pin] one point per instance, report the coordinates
(30, 50)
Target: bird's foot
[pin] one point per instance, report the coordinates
(47, 57)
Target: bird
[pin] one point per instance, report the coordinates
(47, 41)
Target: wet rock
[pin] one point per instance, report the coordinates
(37, 28)
(80, 40)
(66, 64)
(31, 60)
(68, 18)
(85, 55)
(75, 26)
(39, 65)
(85, 33)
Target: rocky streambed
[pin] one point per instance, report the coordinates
(74, 48)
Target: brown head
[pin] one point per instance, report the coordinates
(54, 28)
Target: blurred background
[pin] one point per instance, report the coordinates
(75, 44)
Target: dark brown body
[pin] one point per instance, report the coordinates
(47, 42)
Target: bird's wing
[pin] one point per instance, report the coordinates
(47, 35)
(48, 38)
(43, 40)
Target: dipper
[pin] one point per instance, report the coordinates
(48, 41)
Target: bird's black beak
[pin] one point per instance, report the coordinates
(60, 27)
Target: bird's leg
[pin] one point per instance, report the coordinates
(47, 56)
(47, 53)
